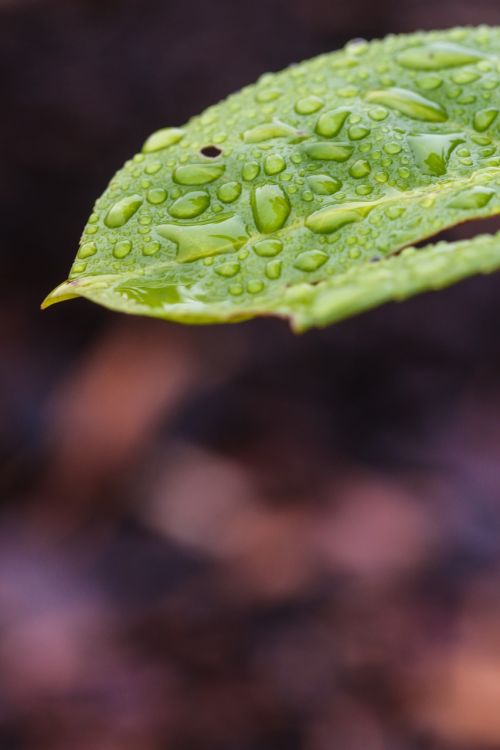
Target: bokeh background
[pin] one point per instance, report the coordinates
(229, 538)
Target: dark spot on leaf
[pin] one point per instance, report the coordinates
(211, 151)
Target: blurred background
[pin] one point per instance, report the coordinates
(229, 538)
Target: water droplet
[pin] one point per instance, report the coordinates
(156, 196)
(197, 174)
(476, 197)
(332, 218)
(273, 269)
(267, 95)
(378, 114)
(484, 118)
(323, 184)
(228, 270)
(162, 139)
(429, 83)
(360, 169)
(274, 164)
(311, 260)
(122, 249)
(255, 286)
(236, 290)
(329, 151)
(268, 131)
(250, 171)
(394, 212)
(309, 105)
(358, 132)
(392, 149)
(432, 152)
(121, 212)
(190, 205)
(88, 249)
(205, 239)
(271, 208)
(437, 56)
(268, 248)
(409, 103)
(151, 248)
(330, 123)
(229, 192)
(153, 168)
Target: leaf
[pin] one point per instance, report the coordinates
(278, 200)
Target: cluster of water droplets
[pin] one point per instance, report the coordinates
(340, 142)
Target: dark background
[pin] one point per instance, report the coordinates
(228, 538)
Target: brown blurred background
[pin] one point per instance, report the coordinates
(229, 538)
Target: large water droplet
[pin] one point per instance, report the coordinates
(274, 164)
(250, 171)
(476, 197)
(190, 205)
(157, 196)
(409, 103)
(271, 208)
(323, 184)
(437, 56)
(484, 118)
(228, 270)
(273, 269)
(87, 250)
(309, 105)
(268, 248)
(332, 218)
(205, 239)
(329, 151)
(311, 260)
(359, 169)
(122, 211)
(330, 123)
(122, 249)
(162, 139)
(197, 174)
(229, 192)
(268, 131)
(432, 152)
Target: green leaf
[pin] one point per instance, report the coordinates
(279, 200)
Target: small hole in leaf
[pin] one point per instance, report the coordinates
(212, 152)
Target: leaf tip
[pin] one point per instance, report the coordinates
(61, 293)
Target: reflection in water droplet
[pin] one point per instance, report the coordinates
(484, 118)
(229, 192)
(197, 174)
(409, 103)
(122, 249)
(309, 105)
(228, 270)
(268, 131)
(432, 152)
(273, 269)
(268, 248)
(122, 211)
(190, 205)
(437, 56)
(162, 139)
(476, 197)
(205, 239)
(274, 164)
(87, 250)
(328, 151)
(323, 184)
(311, 260)
(330, 123)
(332, 218)
(271, 208)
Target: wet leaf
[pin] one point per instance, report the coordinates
(278, 200)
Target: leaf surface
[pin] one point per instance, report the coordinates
(278, 200)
